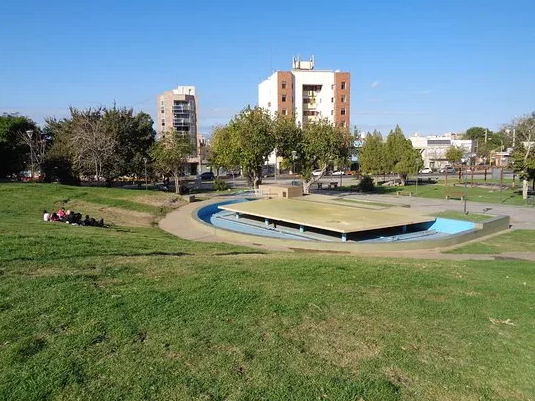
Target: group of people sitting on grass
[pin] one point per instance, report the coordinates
(71, 217)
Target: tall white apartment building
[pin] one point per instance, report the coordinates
(177, 111)
(308, 93)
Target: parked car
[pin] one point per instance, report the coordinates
(316, 173)
(447, 169)
(426, 170)
(207, 175)
(338, 173)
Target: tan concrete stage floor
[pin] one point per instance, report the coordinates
(328, 216)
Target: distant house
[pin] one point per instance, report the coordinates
(433, 148)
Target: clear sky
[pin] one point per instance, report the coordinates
(429, 66)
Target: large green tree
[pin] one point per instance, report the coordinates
(524, 153)
(322, 144)
(224, 149)
(487, 141)
(16, 153)
(288, 135)
(58, 164)
(372, 154)
(401, 157)
(100, 142)
(169, 155)
(248, 139)
(454, 155)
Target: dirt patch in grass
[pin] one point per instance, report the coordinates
(170, 200)
(123, 217)
(332, 341)
(112, 215)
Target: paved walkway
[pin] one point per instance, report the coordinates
(181, 224)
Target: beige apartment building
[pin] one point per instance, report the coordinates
(309, 93)
(177, 110)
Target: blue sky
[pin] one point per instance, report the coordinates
(428, 66)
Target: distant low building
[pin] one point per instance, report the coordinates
(433, 148)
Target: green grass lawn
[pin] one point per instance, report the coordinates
(512, 241)
(131, 312)
(475, 194)
(473, 217)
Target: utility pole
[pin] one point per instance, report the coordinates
(465, 193)
(30, 142)
(146, 182)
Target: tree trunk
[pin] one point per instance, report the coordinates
(524, 189)
(256, 181)
(307, 185)
(177, 183)
(403, 179)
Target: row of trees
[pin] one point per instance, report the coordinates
(523, 130)
(17, 133)
(252, 135)
(101, 143)
(396, 155)
(518, 134)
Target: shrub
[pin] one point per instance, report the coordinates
(220, 184)
(366, 184)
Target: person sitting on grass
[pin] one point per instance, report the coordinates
(61, 213)
(54, 217)
(77, 218)
(86, 221)
(46, 216)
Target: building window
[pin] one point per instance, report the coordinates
(162, 111)
(284, 112)
(332, 100)
(283, 84)
(343, 98)
(269, 104)
(343, 86)
(332, 86)
(283, 98)
(343, 112)
(343, 123)
(332, 112)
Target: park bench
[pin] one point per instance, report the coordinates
(333, 185)
(455, 195)
(401, 193)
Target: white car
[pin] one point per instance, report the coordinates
(316, 173)
(447, 169)
(426, 170)
(338, 172)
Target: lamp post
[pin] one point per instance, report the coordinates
(146, 183)
(465, 191)
(294, 156)
(29, 133)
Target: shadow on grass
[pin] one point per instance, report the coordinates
(240, 253)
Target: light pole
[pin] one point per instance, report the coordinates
(294, 156)
(416, 190)
(146, 183)
(29, 133)
(465, 191)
